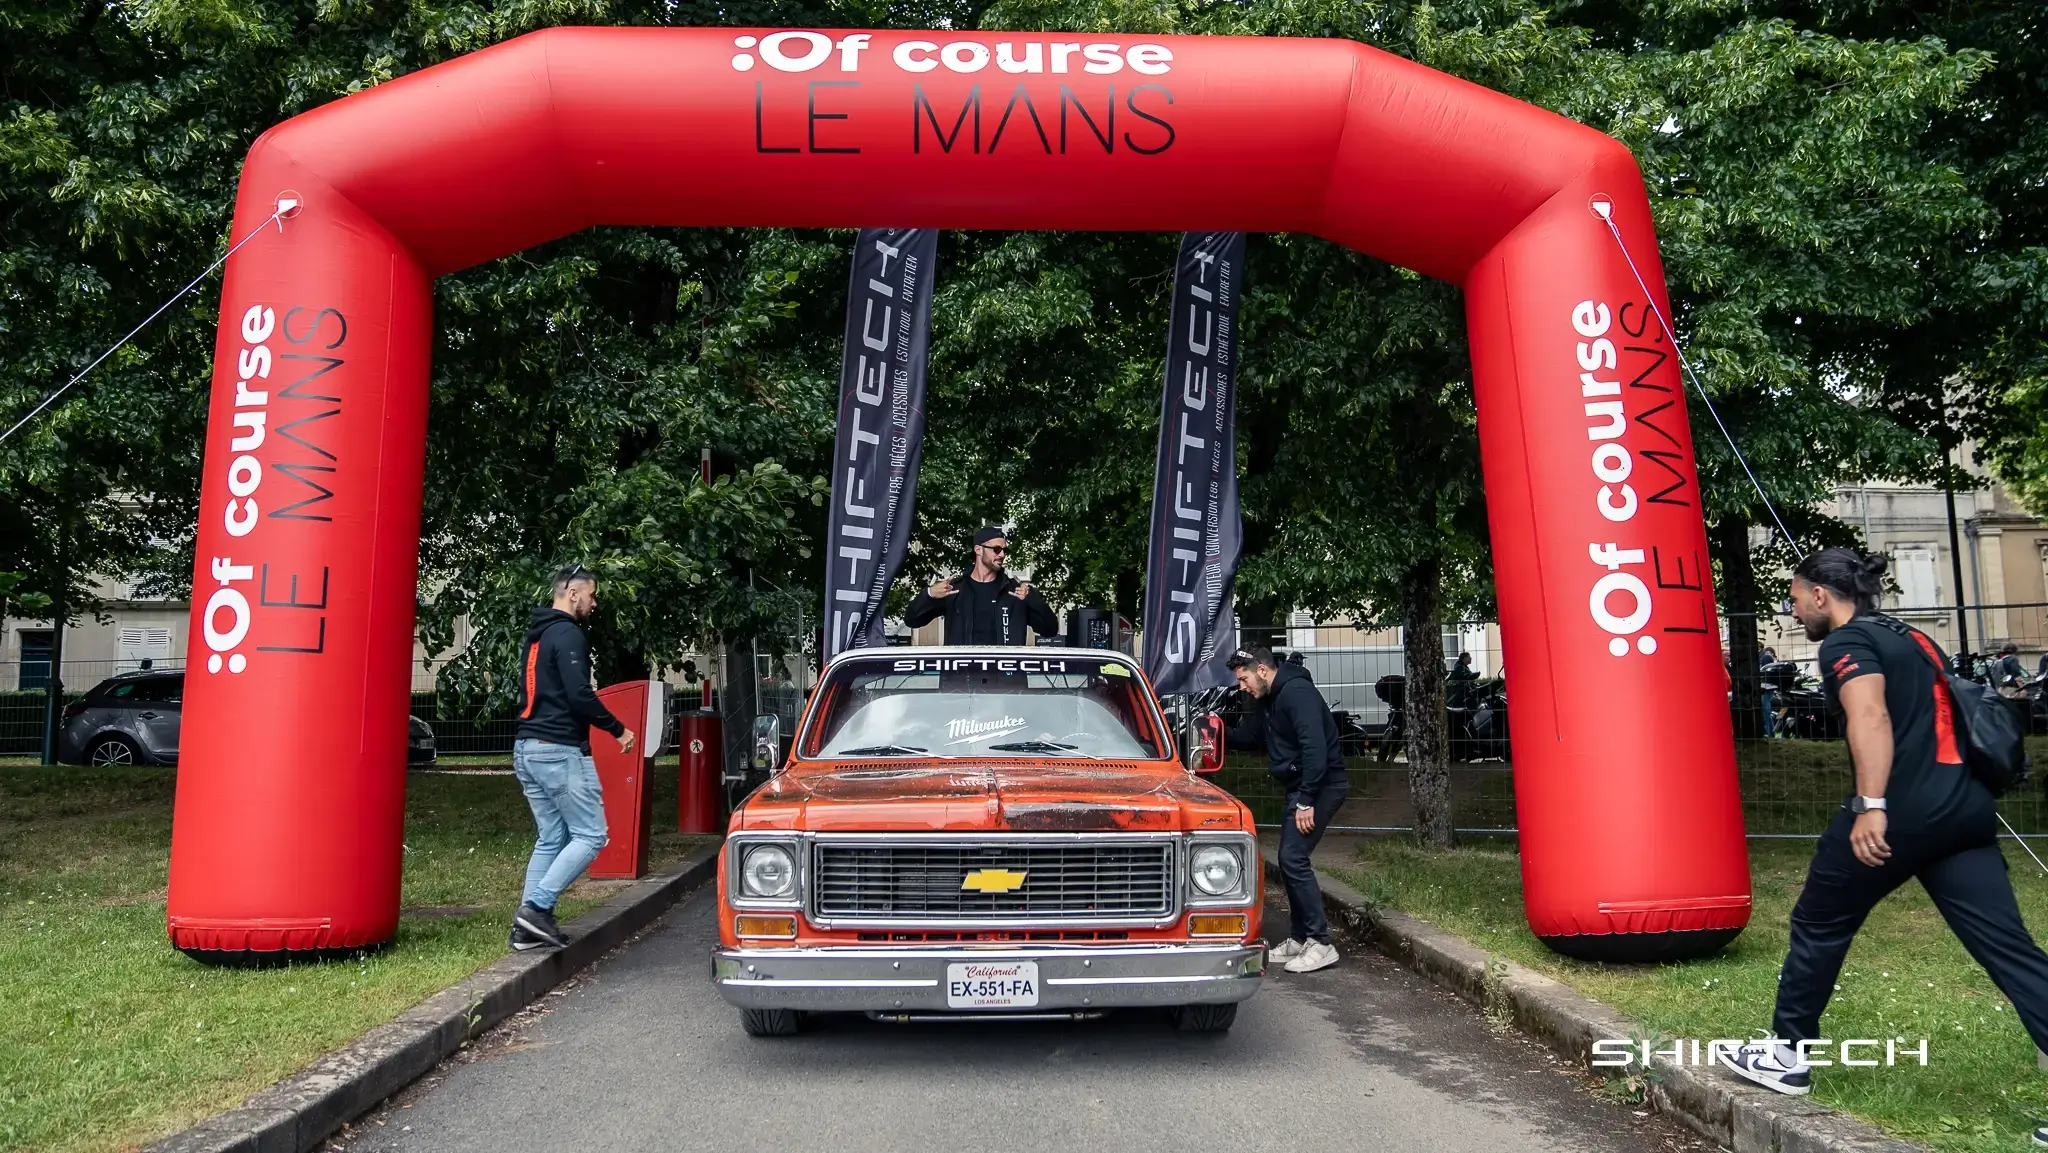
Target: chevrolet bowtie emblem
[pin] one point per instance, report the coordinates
(992, 881)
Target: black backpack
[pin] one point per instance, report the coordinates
(1994, 747)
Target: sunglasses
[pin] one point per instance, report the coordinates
(995, 548)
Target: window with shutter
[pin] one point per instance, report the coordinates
(1919, 586)
(142, 643)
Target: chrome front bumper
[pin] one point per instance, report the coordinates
(913, 978)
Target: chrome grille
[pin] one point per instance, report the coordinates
(922, 882)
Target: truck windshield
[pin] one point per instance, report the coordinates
(945, 706)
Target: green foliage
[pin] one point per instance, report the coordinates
(574, 384)
(575, 388)
(1847, 193)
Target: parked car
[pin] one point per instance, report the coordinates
(133, 719)
(419, 742)
(965, 833)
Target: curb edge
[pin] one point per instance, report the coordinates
(1711, 1102)
(297, 1114)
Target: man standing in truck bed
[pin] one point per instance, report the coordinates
(986, 606)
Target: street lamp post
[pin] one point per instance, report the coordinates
(1955, 560)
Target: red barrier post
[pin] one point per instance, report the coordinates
(700, 745)
(628, 802)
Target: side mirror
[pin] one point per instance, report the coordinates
(767, 754)
(1209, 744)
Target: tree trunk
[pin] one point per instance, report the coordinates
(1429, 780)
(1129, 594)
(53, 692)
(1261, 622)
(1739, 600)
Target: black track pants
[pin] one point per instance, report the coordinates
(1304, 897)
(1962, 871)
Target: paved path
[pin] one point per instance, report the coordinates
(641, 1054)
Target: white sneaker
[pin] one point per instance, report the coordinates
(1773, 1064)
(1314, 955)
(1286, 950)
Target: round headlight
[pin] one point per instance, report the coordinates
(768, 872)
(1216, 869)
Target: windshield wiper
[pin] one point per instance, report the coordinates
(1032, 747)
(882, 751)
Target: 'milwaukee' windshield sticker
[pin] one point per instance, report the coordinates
(967, 732)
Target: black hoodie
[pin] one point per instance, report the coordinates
(984, 612)
(1300, 735)
(556, 702)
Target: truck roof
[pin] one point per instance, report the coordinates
(994, 651)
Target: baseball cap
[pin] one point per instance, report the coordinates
(989, 533)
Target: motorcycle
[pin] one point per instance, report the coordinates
(1392, 689)
(1476, 727)
(1802, 707)
(1353, 738)
(1478, 723)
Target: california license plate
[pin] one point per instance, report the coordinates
(992, 985)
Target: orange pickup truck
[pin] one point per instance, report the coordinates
(993, 833)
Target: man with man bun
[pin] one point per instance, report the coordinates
(1918, 812)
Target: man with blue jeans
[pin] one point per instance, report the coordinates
(558, 707)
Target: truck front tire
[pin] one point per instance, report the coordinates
(770, 1022)
(1204, 1018)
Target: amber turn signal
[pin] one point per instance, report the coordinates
(782, 927)
(1217, 925)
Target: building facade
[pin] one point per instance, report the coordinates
(2002, 548)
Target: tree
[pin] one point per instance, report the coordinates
(1802, 202)
(587, 377)
(574, 384)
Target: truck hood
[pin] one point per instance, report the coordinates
(971, 796)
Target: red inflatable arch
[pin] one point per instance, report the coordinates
(290, 794)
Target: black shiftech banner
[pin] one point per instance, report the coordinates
(1191, 568)
(881, 428)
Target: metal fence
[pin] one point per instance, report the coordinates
(750, 679)
(482, 735)
(1791, 781)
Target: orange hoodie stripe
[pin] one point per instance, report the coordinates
(532, 661)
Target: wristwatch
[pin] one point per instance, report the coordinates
(1301, 808)
(1866, 804)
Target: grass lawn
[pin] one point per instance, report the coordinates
(112, 1038)
(1789, 787)
(1906, 977)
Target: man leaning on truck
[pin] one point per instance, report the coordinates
(1294, 723)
